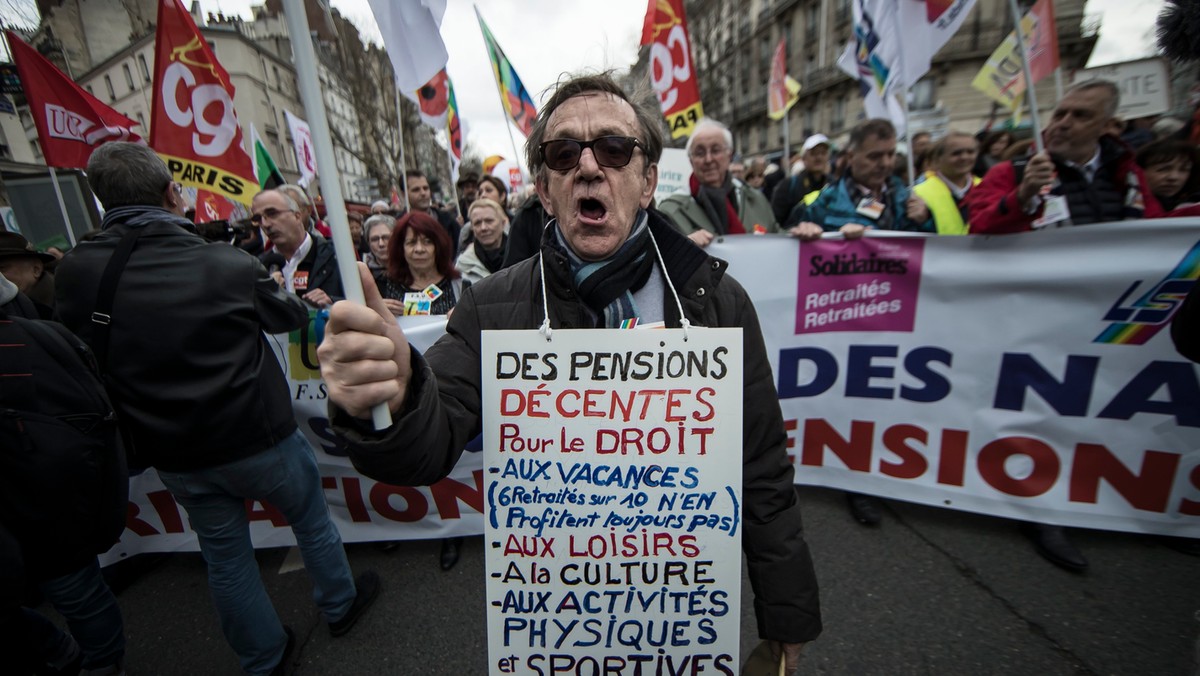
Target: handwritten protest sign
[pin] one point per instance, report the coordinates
(612, 462)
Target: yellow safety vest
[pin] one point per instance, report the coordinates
(939, 199)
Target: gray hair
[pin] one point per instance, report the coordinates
(298, 196)
(709, 123)
(649, 117)
(380, 203)
(127, 174)
(291, 202)
(378, 219)
(1114, 93)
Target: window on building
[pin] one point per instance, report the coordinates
(128, 75)
(277, 83)
(810, 121)
(112, 95)
(144, 68)
(141, 120)
(812, 20)
(923, 95)
(843, 10)
(89, 90)
(839, 114)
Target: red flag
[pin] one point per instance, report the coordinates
(671, 69)
(71, 123)
(193, 125)
(1042, 44)
(212, 207)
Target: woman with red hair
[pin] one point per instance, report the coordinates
(420, 259)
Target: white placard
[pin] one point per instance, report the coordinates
(612, 466)
(1145, 86)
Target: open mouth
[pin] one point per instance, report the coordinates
(592, 210)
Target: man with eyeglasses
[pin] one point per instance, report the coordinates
(201, 395)
(302, 262)
(594, 156)
(718, 202)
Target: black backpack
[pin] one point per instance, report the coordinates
(64, 484)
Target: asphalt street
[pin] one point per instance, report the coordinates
(930, 591)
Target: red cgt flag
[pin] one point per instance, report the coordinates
(193, 125)
(71, 123)
(671, 69)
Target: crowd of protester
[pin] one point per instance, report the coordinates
(985, 183)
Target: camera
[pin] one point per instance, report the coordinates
(230, 232)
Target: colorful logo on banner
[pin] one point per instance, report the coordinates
(1137, 323)
(860, 285)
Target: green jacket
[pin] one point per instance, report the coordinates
(753, 209)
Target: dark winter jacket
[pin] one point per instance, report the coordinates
(1117, 192)
(443, 409)
(189, 368)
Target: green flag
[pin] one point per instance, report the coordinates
(264, 167)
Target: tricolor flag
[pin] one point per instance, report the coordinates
(517, 101)
(193, 125)
(265, 171)
(70, 122)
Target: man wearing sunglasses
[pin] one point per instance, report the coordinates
(302, 262)
(594, 156)
(718, 203)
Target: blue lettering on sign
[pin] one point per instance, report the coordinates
(1071, 394)
(868, 374)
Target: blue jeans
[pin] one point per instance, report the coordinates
(92, 615)
(286, 477)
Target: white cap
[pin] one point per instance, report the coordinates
(814, 141)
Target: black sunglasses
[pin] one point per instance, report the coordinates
(610, 151)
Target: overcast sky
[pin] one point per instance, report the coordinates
(546, 38)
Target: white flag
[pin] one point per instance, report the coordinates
(926, 26)
(306, 154)
(411, 32)
(885, 106)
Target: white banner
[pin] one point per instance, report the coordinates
(613, 463)
(1027, 376)
(364, 510)
(306, 154)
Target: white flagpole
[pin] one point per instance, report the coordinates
(912, 178)
(1031, 91)
(786, 160)
(453, 186)
(62, 206)
(335, 205)
(403, 156)
(1058, 84)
